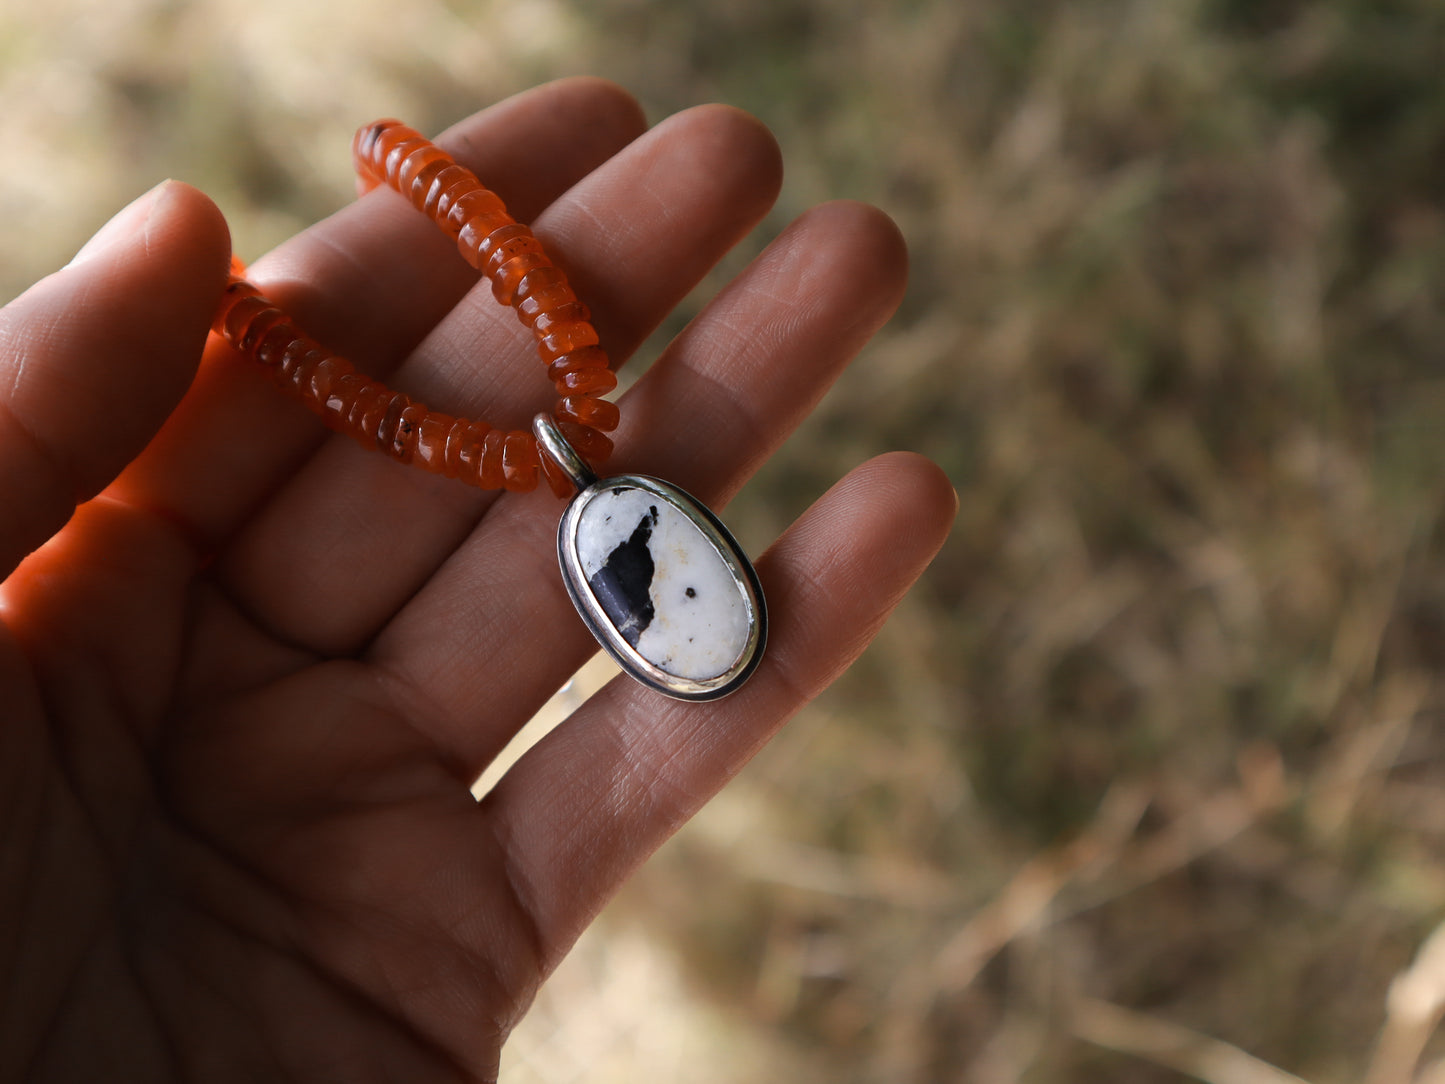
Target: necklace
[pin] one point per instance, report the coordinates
(656, 577)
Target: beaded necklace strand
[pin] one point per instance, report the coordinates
(522, 276)
(654, 574)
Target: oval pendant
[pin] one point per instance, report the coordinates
(661, 583)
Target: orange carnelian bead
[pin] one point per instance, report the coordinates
(478, 201)
(298, 362)
(361, 395)
(371, 143)
(504, 282)
(392, 151)
(519, 462)
(345, 392)
(447, 186)
(474, 238)
(573, 312)
(236, 291)
(295, 370)
(408, 429)
(589, 357)
(470, 449)
(481, 209)
(564, 339)
(505, 251)
(422, 189)
(551, 275)
(257, 328)
(396, 158)
(431, 442)
(391, 167)
(555, 476)
(546, 288)
(537, 284)
(496, 239)
(339, 399)
(273, 344)
(491, 475)
(452, 456)
(597, 413)
(426, 163)
(389, 405)
(369, 411)
(447, 191)
(286, 364)
(386, 428)
(368, 137)
(323, 375)
(586, 382)
(240, 315)
(588, 443)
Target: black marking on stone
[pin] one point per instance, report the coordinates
(623, 585)
(692, 592)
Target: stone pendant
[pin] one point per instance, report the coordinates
(660, 582)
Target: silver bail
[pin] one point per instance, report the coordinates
(551, 441)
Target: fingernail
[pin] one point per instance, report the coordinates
(122, 227)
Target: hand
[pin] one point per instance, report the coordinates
(247, 683)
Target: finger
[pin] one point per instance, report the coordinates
(643, 230)
(370, 282)
(94, 357)
(718, 402)
(594, 798)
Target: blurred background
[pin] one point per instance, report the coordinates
(1146, 780)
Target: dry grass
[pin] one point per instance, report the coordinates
(1144, 782)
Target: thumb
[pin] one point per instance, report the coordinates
(94, 357)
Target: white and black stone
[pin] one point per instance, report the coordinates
(665, 579)
(623, 581)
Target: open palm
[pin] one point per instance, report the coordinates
(245, 688)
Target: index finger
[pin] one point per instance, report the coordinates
(93, 357)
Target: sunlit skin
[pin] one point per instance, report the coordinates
(248, 681)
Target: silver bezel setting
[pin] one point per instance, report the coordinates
(597, 621)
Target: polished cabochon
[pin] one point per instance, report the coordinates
(663, 586)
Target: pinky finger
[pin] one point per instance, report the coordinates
(598, 795)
